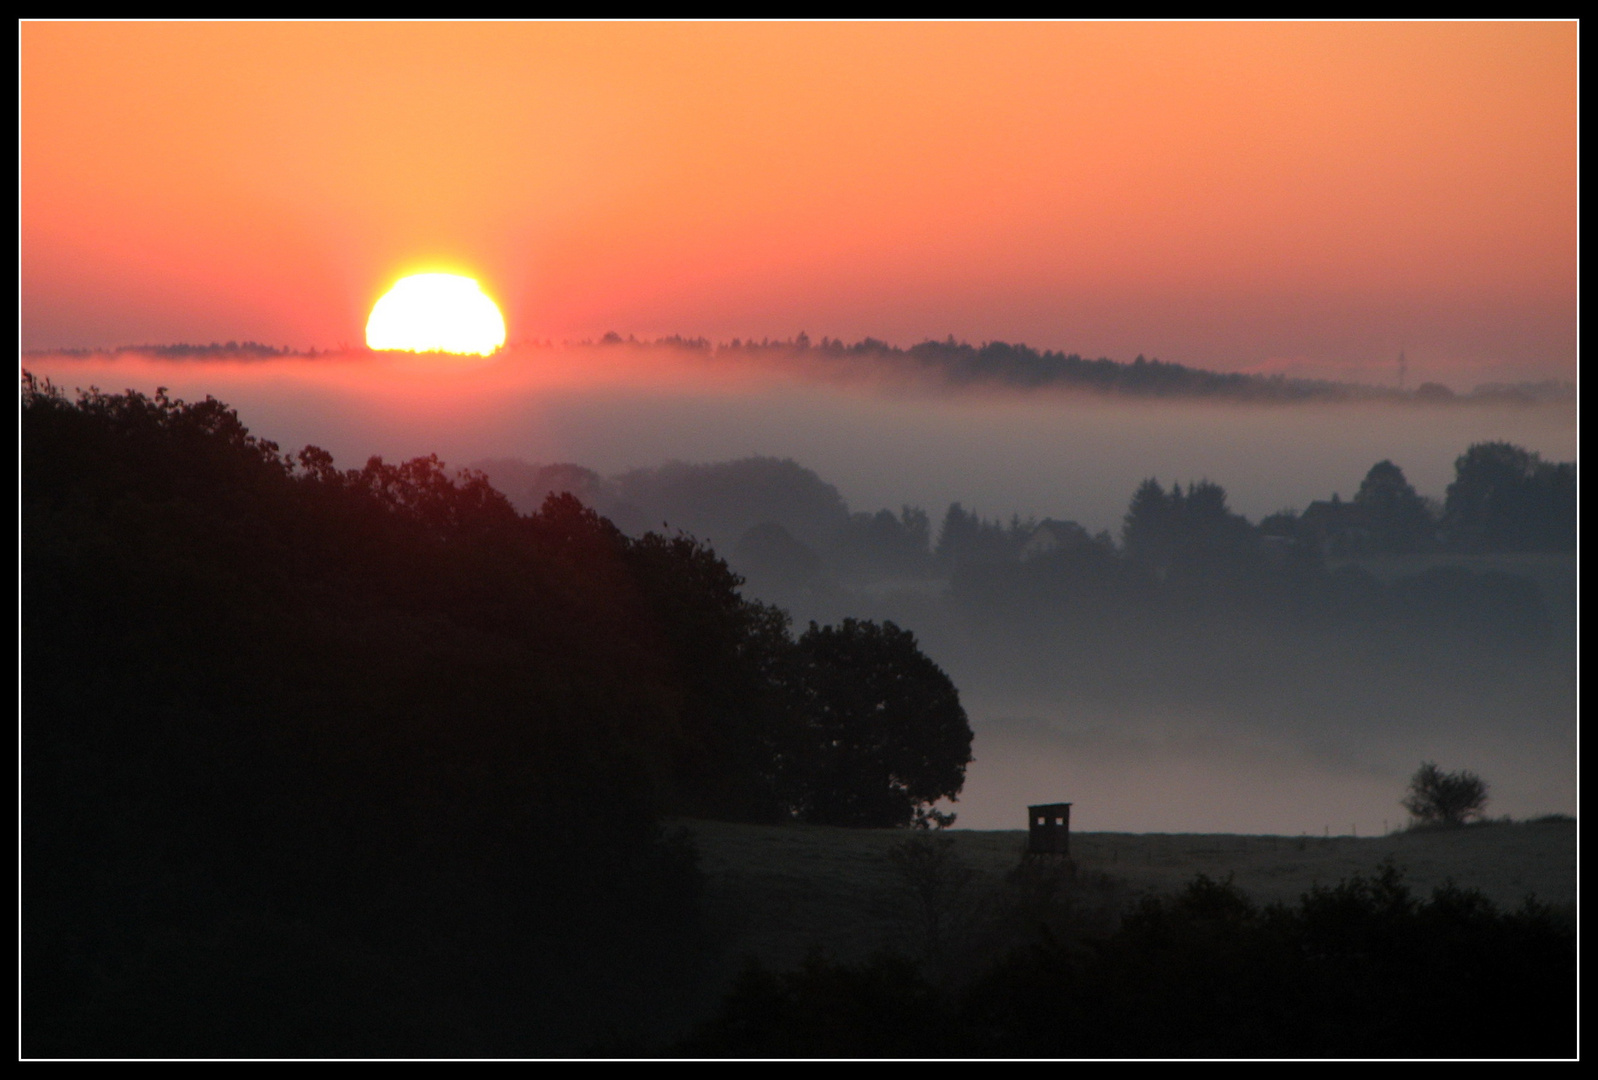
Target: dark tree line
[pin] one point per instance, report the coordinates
(1505, 498)
(1189, 569)
(320, 761)
(1000, 363)
(992, 363)
(794, 532)
(1361, 969)
(245, 350)
(1017, 365)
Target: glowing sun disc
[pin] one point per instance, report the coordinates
(436, 313)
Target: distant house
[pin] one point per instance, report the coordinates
(1277, 549)
(1336, 527)
(1051, 536)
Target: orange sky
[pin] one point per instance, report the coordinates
(1283, 196)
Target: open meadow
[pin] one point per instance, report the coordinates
(775, 892)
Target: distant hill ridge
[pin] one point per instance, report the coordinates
(960, 364)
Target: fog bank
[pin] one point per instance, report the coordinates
(1043, 453)
(1270, 734)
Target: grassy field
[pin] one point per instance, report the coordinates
(773, 892)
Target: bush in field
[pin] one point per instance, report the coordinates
(1439, 798)
(934, 897)
(883, 1007)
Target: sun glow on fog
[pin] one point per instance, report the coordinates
(436, 313)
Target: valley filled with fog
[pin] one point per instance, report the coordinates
(1212, 711)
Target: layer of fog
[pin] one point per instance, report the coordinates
(1153, 739)
(1043, 454)
(1328, 747)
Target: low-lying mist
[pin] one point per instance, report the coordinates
(883, 438)
(1217, 719)
(1208, 717)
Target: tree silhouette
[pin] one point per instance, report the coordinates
(884, 733)
(1439, 798)
(1506, 498)
(884, 544)
(1148, 532)
(1192, 534)
(1399, 519)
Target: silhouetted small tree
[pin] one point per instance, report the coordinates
(1439, 798)
(1398, 517)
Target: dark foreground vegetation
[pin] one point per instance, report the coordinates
(321, 762)
(1362, 969)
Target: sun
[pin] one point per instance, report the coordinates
(436, 313)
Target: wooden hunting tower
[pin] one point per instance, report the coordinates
(1049, 829)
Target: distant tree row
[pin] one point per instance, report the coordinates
(1503, 499)
(251, 350)
(1023, 367)
(789, 529)
(1186, 560)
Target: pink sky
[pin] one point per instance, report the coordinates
(1283, 196)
